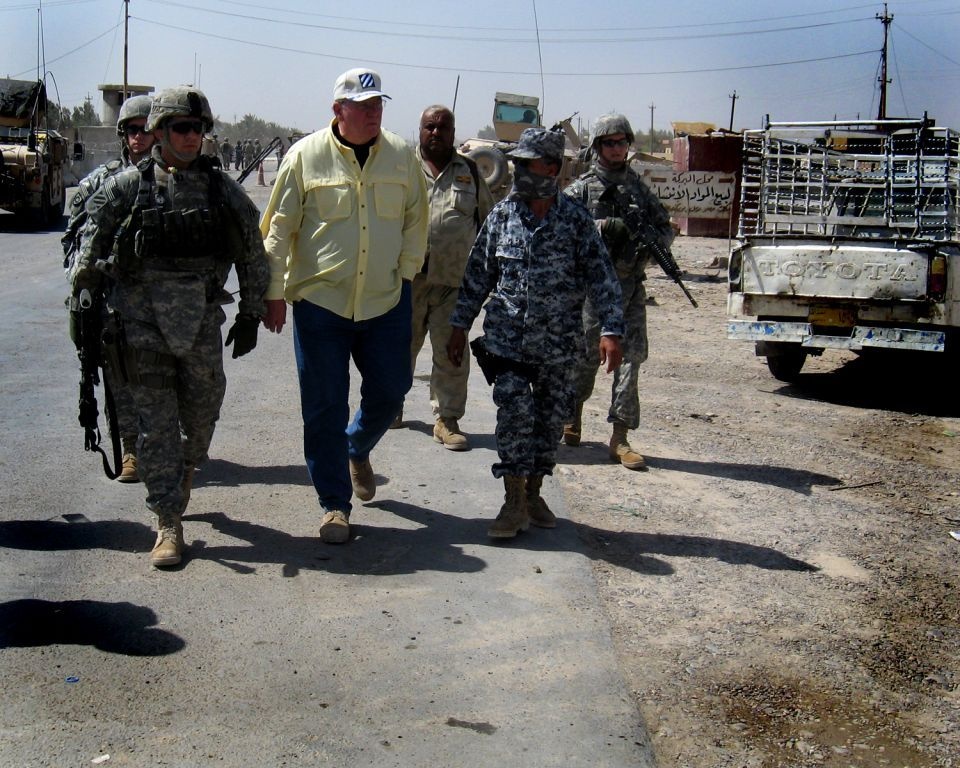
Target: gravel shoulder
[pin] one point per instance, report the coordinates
(782, 583)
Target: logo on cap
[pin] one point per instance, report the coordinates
(367, 80)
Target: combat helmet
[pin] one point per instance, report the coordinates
(609, 124)
(135, 106)
(180, 102)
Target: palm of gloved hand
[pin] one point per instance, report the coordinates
(243, 335)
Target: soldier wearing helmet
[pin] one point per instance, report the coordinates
(167, 232)
(536, 258)
(135, 144)
(609, 189)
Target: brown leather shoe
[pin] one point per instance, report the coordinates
(334, 527)
(447, 432)
(361, 476)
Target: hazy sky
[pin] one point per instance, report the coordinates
(796, 60)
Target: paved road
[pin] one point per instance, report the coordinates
(419, 643)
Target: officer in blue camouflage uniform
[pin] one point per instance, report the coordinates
(167, 232)
(609, 185)
(135, 144)
(537, 257)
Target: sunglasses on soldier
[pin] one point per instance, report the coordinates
(132, 130)
(611, 143)
(183, 127)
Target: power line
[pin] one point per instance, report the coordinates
(68, 53)
(512, 40)
(435, 67)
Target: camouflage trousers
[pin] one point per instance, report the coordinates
(432, 306)
(625, 397)
(530, 418)
(124, 405)
(177, 406)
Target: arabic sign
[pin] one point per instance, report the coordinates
(694, 194)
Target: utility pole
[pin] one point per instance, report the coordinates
(126, 28)
(733, 107)
(885, 19)
(652, 148)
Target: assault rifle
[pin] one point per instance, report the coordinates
(87, 330)
(643, 235)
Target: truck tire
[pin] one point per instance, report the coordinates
(785, 360)
(491, 163)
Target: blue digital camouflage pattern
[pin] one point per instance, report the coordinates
(537, 274)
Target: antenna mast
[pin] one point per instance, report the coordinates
(126, 27)
(885, 19)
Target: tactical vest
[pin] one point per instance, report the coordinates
(628, 260)
(196, 236)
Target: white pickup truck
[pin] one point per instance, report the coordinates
(849, 237)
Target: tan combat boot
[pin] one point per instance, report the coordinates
(540, 514)
(362, 479)
(571, 432)
(169, 544)
(447, 431)
(186, 484)
(621, 451)
(128, 467)
(513, 516)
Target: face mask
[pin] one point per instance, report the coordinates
(528, 185)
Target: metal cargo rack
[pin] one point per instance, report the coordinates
(889, 179)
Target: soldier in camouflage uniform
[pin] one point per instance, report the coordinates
(459, 202)
(135, 144)
(605, 189)
(168, 232)
(538, 255)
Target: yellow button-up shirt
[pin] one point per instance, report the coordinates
(343, 237)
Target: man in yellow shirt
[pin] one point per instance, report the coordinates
(345, 232)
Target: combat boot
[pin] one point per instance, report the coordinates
(186, 484)
(571, 432)
(540, 514)
(447, 431)
(621, 451)
(128, 466)
(513, 516)
(169, 544)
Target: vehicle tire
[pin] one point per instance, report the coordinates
(785, 360)
(55, 213)
(39, 218)
(491, 163)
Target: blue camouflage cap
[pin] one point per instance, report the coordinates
(539, 143)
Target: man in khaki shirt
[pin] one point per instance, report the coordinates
(459, 202)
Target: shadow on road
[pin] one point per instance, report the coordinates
(122, 628)
(888, 380)
(797, 480)
(56, 535)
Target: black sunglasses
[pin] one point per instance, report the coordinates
(133, 130)
(186, 126)
(611, 143)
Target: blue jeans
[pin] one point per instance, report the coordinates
(324, 343)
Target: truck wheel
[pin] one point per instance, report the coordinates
(39, 218)
(491, 163)
(785, 361)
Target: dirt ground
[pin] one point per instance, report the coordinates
(782, 582)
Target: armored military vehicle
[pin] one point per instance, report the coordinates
(513, 113)
(33, 156)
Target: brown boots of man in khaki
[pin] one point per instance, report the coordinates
(540, 514)
(447, 432)
(169, 546)
(513, 516)
(621, 451)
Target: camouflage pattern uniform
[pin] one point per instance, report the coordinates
(629, 263)
(459, 202)
(168, 283)
(124, 407)
(537, 274)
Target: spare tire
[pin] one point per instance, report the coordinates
(491, 163)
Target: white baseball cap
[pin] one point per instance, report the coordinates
(358, 85)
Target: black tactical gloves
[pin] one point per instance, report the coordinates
(243, 335)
